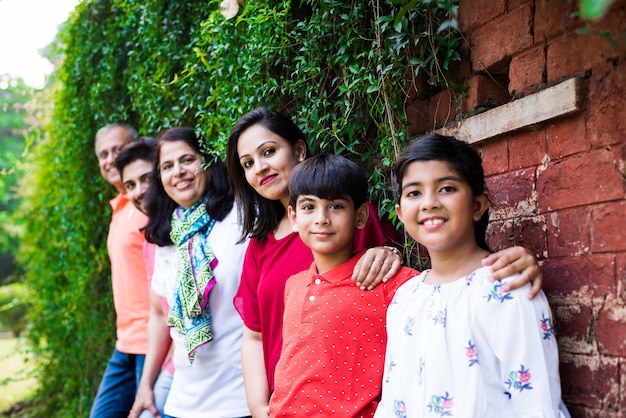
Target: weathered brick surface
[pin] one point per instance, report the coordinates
(473, 13)
(528, 149)
(485, 91)
(589, 381)
(574, 53)
(588, 278)
(567, 136)
(494, 44)
(608, 233)
(611, 329)
(581, 180)
(606, 109)
(569, 232)
(558, 188)
(495, 157)
(527, 70)
(553, 18)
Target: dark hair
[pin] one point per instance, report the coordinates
(258, 216)
(463, 159)
(142, 149)
(160, 206)
(328, 177)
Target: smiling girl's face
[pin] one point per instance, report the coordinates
(267, 160)
(438, 208)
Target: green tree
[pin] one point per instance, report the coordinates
(14, 94)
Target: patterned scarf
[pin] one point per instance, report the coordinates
(190, 312)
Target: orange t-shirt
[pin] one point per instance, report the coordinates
(128, 276)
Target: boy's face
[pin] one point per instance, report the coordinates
(327, 226)
(437, 206)
(136, 178)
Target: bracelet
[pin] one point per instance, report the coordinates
(395, 251)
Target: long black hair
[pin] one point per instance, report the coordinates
(160, 206)
(463, 159)
(258, 216)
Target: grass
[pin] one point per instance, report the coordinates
(16, 381)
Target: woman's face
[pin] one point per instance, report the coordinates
(182, 178)
(267, 160)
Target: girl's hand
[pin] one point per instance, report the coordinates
(515, 260)
(377, 265)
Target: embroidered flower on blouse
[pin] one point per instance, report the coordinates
(399, 409)
(441, 404)
(436, 289)
(546, 326)
(496, 293)
(408, 325)
(519, 380)
(392, 364)
(469, 279)
(440, 318)
(470, 353)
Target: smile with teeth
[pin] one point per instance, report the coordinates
(183, 184)
(433, 222)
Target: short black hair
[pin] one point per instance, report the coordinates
(328, 177)
(142, 149)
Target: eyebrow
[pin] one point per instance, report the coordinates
(261, 145)
(439, 180)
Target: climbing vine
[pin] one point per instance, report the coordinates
(342, 69)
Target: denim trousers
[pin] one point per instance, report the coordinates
(160, 389)
(118, 386)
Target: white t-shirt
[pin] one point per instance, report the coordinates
(468, 349)
(211, 386)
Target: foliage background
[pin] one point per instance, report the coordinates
(338, 67)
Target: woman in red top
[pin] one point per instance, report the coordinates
(263, 147)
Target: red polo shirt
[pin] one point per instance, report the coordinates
(334, 341)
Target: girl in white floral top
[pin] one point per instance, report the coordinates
(458, 344)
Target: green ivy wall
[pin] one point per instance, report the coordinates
(338, 67)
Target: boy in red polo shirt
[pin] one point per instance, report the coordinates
(334, 335)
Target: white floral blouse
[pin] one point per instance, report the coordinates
(468, 349)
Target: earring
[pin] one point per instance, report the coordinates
(300, 159)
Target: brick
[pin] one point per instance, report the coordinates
(512, 194)
(553, 18)
(486, 92)
(606, 123)
(609, 221)
(527, 70)
(442, 109)
(610, 324)
(473, 13)
(620, 276)
(493, 45)
(569, 232)
(589, 381)
(586, 278)
(572, 325)
(417, 117)
(527, 148)
(495, 157)
(591, 51)
(528, 232)
(567, 136)
(580, 180)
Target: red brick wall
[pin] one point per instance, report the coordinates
(558, 187)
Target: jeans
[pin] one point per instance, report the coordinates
(161, 389)
(118, 386)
